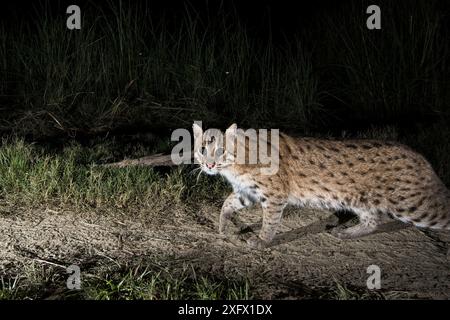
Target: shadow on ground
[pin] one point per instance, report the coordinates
(304, 260)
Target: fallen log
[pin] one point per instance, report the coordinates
(155, 160)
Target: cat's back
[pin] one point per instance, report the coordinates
(355, 161)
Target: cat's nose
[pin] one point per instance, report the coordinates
(210, 165)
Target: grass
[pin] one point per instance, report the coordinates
(31, 176)
(393, 74)
(149, 286)
(128, 68)
(128, 283)
(141, 283)
(342, 292)
(8, 288)
(123, 66)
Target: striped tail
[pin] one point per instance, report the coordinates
(434, 214)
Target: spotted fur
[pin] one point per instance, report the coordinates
(375, 180)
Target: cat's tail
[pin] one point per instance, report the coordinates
(432, 211)
(437, 214)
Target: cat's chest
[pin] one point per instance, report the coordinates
(240, 183)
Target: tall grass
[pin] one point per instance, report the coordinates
(128, 67)
(124, 68)
(396, 74)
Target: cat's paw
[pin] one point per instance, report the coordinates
(354, 232)
(341, 234)
(256, 242)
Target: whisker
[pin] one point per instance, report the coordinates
(194, 170)
(198, 176)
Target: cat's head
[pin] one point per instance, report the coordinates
(211, 149)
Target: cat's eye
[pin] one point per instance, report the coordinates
(202, 151)
(220, 152)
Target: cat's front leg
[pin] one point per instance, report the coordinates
(272, 213)
(232, 203)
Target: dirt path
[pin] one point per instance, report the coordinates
(304, 256)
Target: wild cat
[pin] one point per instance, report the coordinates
(375, 180)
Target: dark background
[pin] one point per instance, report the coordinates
(404, 95)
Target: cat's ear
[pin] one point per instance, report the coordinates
(198, 132)
(231, 131)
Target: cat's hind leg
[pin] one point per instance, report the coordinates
(369, 222)
(272, 213)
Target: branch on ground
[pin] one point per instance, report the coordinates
(153, 161)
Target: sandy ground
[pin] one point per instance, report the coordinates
(303, 258)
